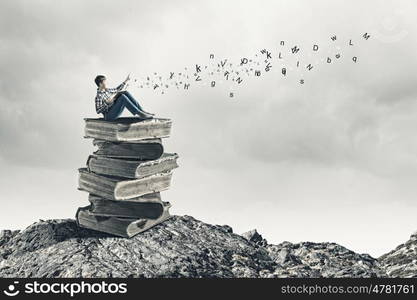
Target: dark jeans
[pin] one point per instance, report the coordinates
(123, 100)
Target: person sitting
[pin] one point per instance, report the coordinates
(112, 101)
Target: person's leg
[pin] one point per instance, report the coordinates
(134, 101)
(114, 111)
(120, 103)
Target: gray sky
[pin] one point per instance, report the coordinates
(334, 159)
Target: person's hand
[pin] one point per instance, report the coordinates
(111, 100)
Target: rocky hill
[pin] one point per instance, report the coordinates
(184, 247)
(401, 262)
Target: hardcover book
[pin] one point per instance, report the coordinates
(119, 226)
(127, 129)
(128, 209)
(117, 188)
(142, 149)
(128, 168)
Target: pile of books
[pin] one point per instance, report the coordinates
(125, 176)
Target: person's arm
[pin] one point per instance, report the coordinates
(120, 87)
(123, 84)
(109, 101)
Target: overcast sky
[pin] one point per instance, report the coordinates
(334, 159)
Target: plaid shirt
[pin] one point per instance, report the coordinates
(103, 95)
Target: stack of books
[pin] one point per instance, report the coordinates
(125, 176)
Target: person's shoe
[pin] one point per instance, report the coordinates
(144, 116)
(148, 113)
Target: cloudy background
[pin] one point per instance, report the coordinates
(334, 159)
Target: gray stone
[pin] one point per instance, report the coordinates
(182, 247)
(254, 237)
(402, 261)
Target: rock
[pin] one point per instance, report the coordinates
(6, 235)
(401, 262)
(179, 247)
(321, 260)
(254, 237)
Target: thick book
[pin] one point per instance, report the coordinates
(128, 209)
(117, 188)
(142, 149)
(123, 227)
(127, 129)
(148, 198)
(128, 168)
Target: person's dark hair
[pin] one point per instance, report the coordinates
(99, 79)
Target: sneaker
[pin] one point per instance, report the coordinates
(144, 116)
(148, 113)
